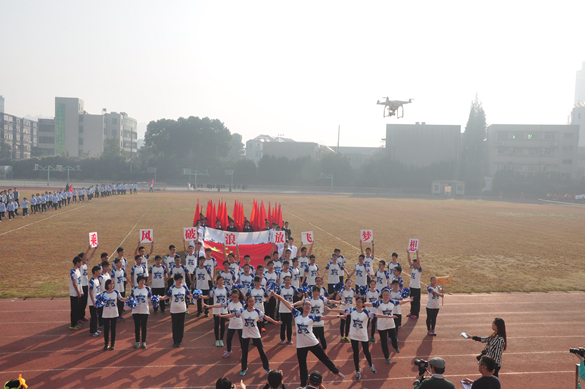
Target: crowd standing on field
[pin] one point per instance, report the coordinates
(289, 290)
(11, 201)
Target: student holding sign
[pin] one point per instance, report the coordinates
(414, 285)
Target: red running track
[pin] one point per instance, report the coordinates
(37, 343)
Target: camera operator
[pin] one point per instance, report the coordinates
(437, 380)
(486, 366)
(580, 353)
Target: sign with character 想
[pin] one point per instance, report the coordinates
(413, 245)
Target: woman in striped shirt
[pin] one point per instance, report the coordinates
(496, 343)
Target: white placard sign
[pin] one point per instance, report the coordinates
(366, 235)
(413, 245)
(307, 237)
(189, 233)
(93, 239)
(279, 237)
(146, 236)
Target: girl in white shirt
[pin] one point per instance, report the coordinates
(306, 340)
(219, 294)
(250, 317)
(435, 292)
(142, 295)
(318, 308)
(345, 297)
(287, 292)
(236, 304)
(358, 333)
(177, 295)
(110, 313)
(387, 327)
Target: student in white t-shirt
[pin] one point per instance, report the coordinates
(361, 272)
(75, 294)
(246, 279)
(358, 333)
(233, 306)
(120, 279)
(219, 293)
(369, 258)
(387, 327)
(287, 292)
(304, 259)
(306, 340)
(318, 303)
(177, 295)
(93, 292)
(110, 313)
(229, 277)
(260, 295)
(141, 250)
(435, 292)
(383, 277)
(137, 270)
(311, 272)
(345, 297)
(202, 279)
(250, 317)
(416, 268)
(157, 275)
(190, 263)
(334, 272)
(142, 294)
(372, 295)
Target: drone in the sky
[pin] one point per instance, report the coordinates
(391, 107)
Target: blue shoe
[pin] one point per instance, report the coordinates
(243, 372)
(268, 371)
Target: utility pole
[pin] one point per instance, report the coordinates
(48, 169)
(330, 176)
(338, 135)
(230, 173)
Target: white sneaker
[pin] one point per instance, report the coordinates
(358, 374)
(341, 375)
(373, 368)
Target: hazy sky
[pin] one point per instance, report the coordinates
(295, 68)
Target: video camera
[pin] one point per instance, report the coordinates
(579, 351)
(422, 366)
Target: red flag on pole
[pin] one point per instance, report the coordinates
(196, 217)
(269, 213)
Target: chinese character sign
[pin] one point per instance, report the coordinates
(93, 239)
(279, 237)
(413, 245)
(230, 239)
(367, 235)
(146, 236)
(307, 237)
(189, 233)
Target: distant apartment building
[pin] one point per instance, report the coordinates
(282, 147)
(578, 118)
(19, 134)
(526, 148)
(420, 145)
(124, 128)
(78, 134)
(1, 103)
(580, 85)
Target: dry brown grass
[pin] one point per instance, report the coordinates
(484, 246)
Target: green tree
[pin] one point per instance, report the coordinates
(237, 148)
(4, 151)
(475, 137)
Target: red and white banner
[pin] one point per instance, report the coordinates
(93, 239)
(366, 235)
(231, 238)
(146, 236)
(307, 237)
(413, 245)
(257, 252)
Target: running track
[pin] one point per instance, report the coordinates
(541, 328)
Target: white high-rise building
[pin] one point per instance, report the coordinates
(580, 86)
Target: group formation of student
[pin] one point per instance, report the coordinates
(287, 290)
(11, 201)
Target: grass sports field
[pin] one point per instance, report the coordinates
(483, 245)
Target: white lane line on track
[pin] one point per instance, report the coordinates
(132, 229)
(42, 220)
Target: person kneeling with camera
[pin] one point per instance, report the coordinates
(437, 380)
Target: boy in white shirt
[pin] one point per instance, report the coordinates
(158, 277)
(24, 205)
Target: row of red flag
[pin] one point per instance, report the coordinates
(257, 219)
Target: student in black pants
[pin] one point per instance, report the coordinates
(177, 295)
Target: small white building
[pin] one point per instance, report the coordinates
(448, 188)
